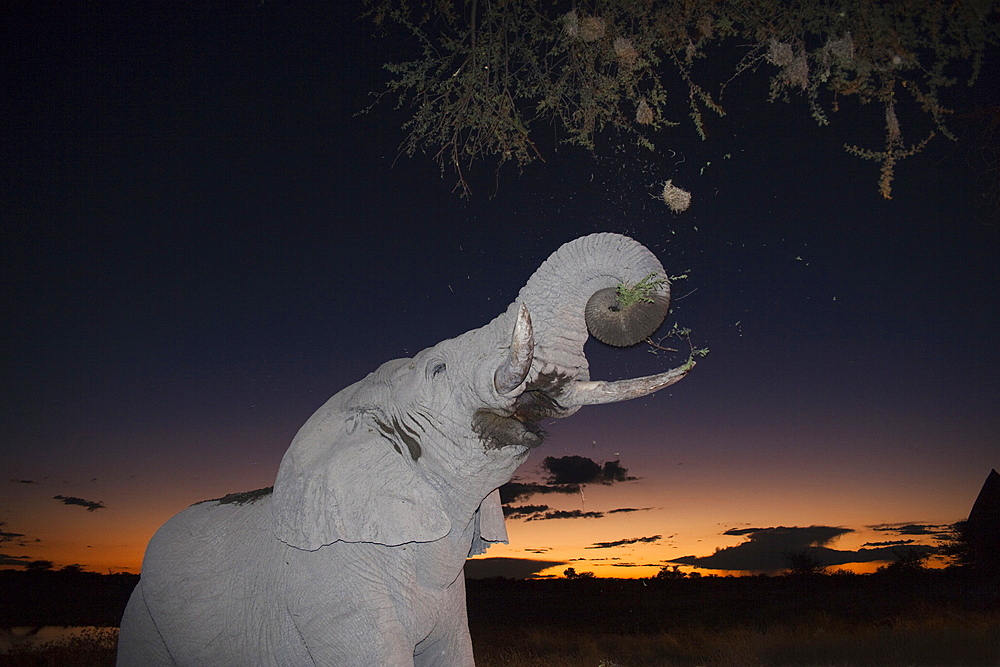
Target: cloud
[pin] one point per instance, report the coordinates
(7, 559)
(522, 511)
(511, 568)
(24, 481)
(566, 514)
(581, 470)
(913, 528)
(630, 509)
(91, 505)
(619, 543)
(566, 475)
(767, 550)
(542, 512)
(614, 472)
(795, 538)
(893, 543)
(571, 469)
(7, 537)
(513, 492)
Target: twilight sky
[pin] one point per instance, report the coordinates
(201, 242)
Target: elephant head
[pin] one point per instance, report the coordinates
(410, 453)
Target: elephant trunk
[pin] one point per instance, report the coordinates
(606, 284)
(577, 290)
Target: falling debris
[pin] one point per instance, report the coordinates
(676, 198)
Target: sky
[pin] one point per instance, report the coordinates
(202, 240)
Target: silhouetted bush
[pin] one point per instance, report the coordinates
(63, 598)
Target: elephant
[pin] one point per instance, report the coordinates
(355, 556)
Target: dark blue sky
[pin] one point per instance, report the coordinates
(202, 241)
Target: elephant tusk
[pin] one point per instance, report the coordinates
(511, 373)
(598, 392)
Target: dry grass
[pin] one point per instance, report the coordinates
(938, 640)
(93, 647)
(946, 639)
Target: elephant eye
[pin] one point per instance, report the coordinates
(437, 369)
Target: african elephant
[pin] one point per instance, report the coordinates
(357, 556)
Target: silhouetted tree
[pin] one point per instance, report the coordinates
(907, 562)
(571, 573)
(803, 563)
(39, 566)
(955, 545)
(489, 75)
(669, 572)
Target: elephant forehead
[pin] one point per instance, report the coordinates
(390, 371)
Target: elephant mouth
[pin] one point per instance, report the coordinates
(551, 393)
(563, 392)
(520, 427)
(499, 431)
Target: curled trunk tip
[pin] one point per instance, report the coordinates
(622, 325)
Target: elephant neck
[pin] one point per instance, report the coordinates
(462, 485)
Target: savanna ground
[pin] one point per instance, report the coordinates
(914, 618)
(920, 618)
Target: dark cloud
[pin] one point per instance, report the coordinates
(813, 536)
(566, 514)
(893, 543)
(767, 550)
(512, 492)
(24, 481)
(521, 511)
(91, 505)
(613, 471)
(571, 469)
(913, 528)
(566, 475)
(619, 543)
(540, 512)
(511, 568)
(7, 559)
(630, 509)
(581, 470)
(7, 537)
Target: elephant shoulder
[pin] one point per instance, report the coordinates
(210, 531)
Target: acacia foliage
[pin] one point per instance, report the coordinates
(491, 72)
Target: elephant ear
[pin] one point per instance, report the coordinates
(490, 526)
(342, 479)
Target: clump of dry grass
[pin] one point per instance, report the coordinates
(92, 647)
(678, 199)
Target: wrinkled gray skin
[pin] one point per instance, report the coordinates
(356, 558)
